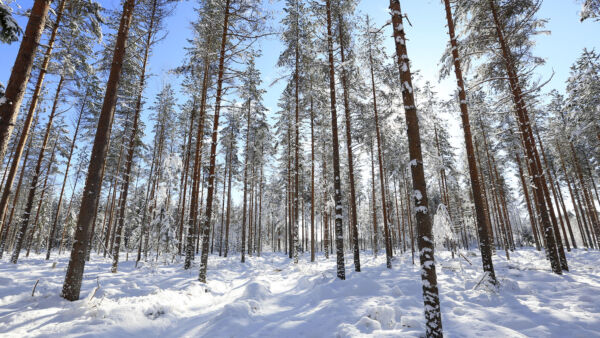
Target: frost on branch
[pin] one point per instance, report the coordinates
(9, 29)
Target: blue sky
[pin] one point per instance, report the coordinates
(427, 40)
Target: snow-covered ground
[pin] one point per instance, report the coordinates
(271, 297)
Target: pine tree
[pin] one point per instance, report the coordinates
(246, 18)
(15, 90)
(66, 39)
(10, 103)
(590, 9)
(373, 51)
(9, 28)
(74, 276)
(344, 33)
(337, 185)
(433, 317)
(484, 243)
(514, 24)
(154, 14)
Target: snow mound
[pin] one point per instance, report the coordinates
(377, 318)
(239, 311)
(410, 322)
(257, 291)
(383, 314)
(365, 325)
(155, 310)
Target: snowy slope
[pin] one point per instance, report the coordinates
(270, 297)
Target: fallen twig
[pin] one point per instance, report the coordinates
(484, 277)
(96, 289)
(33, 291)
(466, 259)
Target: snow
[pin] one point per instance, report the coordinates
(271, 297)
(443, 227)
(417, 194)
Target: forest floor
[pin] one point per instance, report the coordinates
(269, 296)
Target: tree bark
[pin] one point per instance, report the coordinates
(373, 199)
(312, 180)
(193, 215)
(529, 142)
(337, 185)
(34, 180)
(433, 318)
(68, 211)
(228, 218)
(185, 176)
(132, 141)
(297, 138)
(245, 199)
(325, 213)
(213, 150)
(4, 233)
(556, 201)
(17, 83)
(484, 244)
(91, 192)
(41, 198)
(353, 215)
(65, 176)
(223, 198)
(386, 230)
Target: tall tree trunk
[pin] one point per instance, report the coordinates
(591, 210)
(530, 212)
(495, 184)
(290, 193)
(386, 230)
(4, 234)
(245, 198)
(337, 184)
(325, 214)
(65, 176)
(484, 243)
(251, 208)
(17, 83)
(260, 195)
(68, 211)
(185, 176)
(147, 208)
(527, 136)
(228, 218)
(373, 199)
(41, 198)
(484, 195)
(196, 173)
(409, 216)
(546, 193)
(297, 138)
(132, 141)
(353, 216)
(10, 158)
(34, 180)
(226, 172)
(312, 180)
(109, 239)
(556, 202)
(91, 192)
(565, 212)
(213, 150)
(433, 318)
